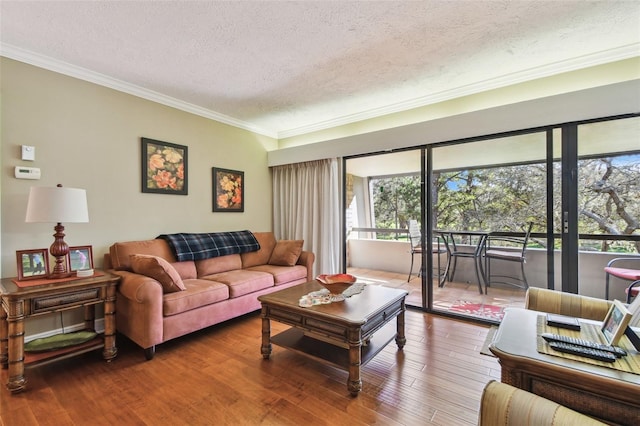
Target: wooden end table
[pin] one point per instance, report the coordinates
(610, 395)
(19, 303)
(340, 333)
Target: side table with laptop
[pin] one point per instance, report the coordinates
(608, 390)
(22, 300)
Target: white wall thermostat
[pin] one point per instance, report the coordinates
(27, 172)
(28, 153)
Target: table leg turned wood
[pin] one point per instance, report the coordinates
(110, 350)
(4, 340)
(354, 383)
(265, 349)
(15, 319)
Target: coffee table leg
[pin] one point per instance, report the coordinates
(265, 349)
(400, 337)
(354, 383)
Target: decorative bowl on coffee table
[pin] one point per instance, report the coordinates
(336, 284)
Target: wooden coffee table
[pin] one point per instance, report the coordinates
(610, 395)
(340, 333)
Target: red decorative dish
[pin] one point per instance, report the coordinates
(336, 283)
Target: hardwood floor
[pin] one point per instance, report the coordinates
(217, 376)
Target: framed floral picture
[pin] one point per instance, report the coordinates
(228, 190)
(32, 264)
(164, 167)
(80, 258)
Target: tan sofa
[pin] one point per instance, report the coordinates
(159, 299)
(505, 405)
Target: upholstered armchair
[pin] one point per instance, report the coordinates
(505, 405)
(573, 305)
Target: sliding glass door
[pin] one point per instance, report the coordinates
(607, 206)
(575, 186)
(480, 189)
(382, 196)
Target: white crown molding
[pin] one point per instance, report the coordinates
(573, 64)
(22, 55)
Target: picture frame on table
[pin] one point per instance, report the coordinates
(164, 167)
(228, 190)
(32, 264)
(80, 258)
(615, 323)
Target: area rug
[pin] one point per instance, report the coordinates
(481, 310)
(488, 340)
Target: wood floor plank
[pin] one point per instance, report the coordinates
(218, 376)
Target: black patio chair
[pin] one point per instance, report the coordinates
(415, 238)
(497, 249)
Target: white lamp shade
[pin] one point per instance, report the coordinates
(57, 205)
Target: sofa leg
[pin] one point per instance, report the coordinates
(150, 352)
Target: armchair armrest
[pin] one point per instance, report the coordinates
(503, 405)
(574, 305)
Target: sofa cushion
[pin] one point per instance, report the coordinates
(120, 252)
(198, 293)
(267, 242)
(283, 274)
(243, 281)
(216, 265)
(186, 269)
(158, 269)
(286, 252)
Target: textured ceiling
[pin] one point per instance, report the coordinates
(285, 68)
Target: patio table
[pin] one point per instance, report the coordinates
(449, 238)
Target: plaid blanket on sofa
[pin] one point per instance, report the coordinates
(205, 245)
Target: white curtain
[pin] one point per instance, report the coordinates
(306, 206)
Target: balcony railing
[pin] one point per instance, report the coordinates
(366, 251)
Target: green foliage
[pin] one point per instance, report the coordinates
(508, 198)
(395, 201)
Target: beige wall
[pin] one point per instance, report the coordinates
(88, 136)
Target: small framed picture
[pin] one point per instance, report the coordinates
(228, 190)
(615, 323)
(32, 264)
(80, 258)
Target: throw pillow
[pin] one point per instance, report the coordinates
(158, 269)
(286, 252)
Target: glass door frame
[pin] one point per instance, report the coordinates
(569, 235)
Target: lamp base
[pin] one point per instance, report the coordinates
(59, 249)
(57, 276)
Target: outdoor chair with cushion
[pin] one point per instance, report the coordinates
(626, 274)
(415, 238)
(498, 249)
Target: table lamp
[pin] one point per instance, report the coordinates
(57, 205)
